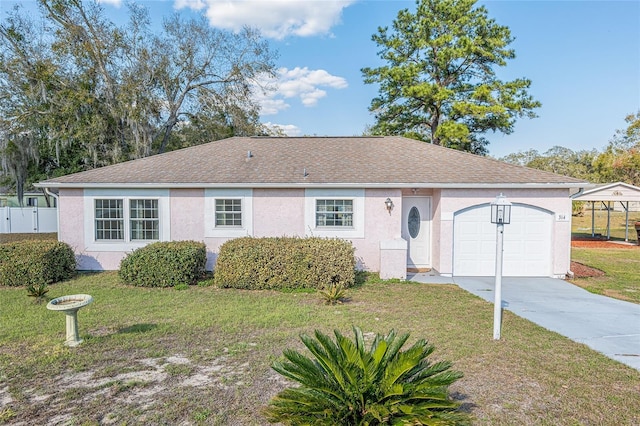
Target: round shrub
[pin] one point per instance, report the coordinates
(164, 264)
(36, 262)
(285, 263)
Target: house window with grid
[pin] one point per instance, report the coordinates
(109, 220)
(334, 213)
(229, 212)
(144, 220)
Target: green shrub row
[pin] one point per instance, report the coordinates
(35, 262)
(284, 263)
(164, 264)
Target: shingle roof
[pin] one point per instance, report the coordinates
(309, 161)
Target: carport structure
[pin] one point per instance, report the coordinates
(618, 192)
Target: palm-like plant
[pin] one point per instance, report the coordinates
(38, 291)
(334, 294)
(347, 384)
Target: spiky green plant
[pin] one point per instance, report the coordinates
(347, 384)
(37, 291)
(334, 294)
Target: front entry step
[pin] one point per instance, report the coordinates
(418, 270)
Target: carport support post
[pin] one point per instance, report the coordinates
(593, 219)
(497, 302)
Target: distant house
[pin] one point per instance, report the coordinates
(9, 198)
(34, 216)
(404, 204)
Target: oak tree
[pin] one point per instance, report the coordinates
(78, 91)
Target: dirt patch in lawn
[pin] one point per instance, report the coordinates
(583, 271)
(595, 243)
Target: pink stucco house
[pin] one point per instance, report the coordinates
(404, 204)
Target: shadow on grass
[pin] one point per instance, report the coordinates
(138, 328)
(360, 278)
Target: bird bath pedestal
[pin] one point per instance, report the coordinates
(70, 305)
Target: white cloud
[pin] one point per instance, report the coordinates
(116, 3)
(287, 129)
(190, 4)
(302, 83)
(272, 106)
(275, 18)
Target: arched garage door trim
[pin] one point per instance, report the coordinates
(528, 241)
(530, 206)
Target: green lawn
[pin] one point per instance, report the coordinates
(621, 268)
(581, 225)
(203, 355)
(8, 238)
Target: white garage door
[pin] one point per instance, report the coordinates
(527, 243)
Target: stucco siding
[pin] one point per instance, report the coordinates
(379, 225)
(278, 212)
(187, 214)
(71, 224)
(556, 201)
(288, 212)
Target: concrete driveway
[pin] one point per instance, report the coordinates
(606, 325)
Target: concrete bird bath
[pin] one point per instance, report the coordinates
(70, 305)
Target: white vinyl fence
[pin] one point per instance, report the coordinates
(16, 220)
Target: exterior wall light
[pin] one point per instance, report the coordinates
(389, 204)
(500, 215)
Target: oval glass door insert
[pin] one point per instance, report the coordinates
(414, 222)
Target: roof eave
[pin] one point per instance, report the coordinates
(428, 185)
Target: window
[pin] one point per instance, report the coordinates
(109, 220)
(145, 222)
(334, 213)
(124, 219)
(143, 219)
(32, 202)
(229, 212)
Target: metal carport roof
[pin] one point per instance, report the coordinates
(621, 192)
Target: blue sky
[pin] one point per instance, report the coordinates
(583, 58)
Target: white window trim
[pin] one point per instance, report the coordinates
(355, 231)
(90, 195)
(213, 231)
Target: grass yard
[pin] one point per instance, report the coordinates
(9, 238)
(203, 355)
(621, 268)
(581, 225)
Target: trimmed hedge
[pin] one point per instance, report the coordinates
(284, 263)
(164, 264)
(36, 262)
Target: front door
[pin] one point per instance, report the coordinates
(416, 229)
